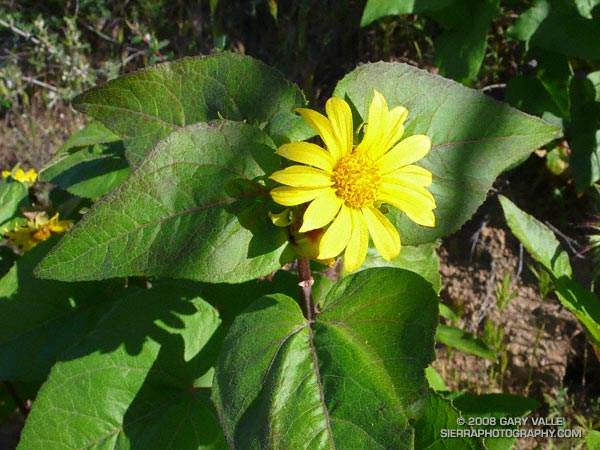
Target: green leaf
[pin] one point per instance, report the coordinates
(511, 407)
(7, 258)
(584, 305)
(447, 313)
(376, 9)
(547, 92)
(145, 106)
(474, 138)
(543, 246)
(134, 384)
(197, 208)
(537, 239)
(421, 259)
(528, 23)
(592, 439)
(464, 341)
(459, 51)
(435, 380)
(13, 196)
(441, 417)
(287, 127)
(584, 132)
(594, 78)
(558, 25)
(93, 133)
(351, 379)
(39, 319)
(529, 94)
(555, 73)
(90, 164)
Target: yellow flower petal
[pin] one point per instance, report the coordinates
(384, 128)
(321, 211)
(376, 121)
(385, 237)
(307, 153)
(395, 125)
(358, 244)
(416, 202)
(340, 116)
(409, 176)
(337, 235)
(38, 228)
(409, 150)
(292, 196)
(21, 176)
(302, 176)
(30, 176)
(322, 125)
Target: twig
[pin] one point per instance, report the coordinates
(40, 83)
(475, 239)
(17, 399)
(493, 86)
(107, 37)
(515, 279)
(486, 304)
(571, 243)
(20, 32)
(39, 42)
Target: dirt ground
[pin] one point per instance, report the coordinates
(544, 354)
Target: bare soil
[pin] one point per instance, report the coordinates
(544, 350)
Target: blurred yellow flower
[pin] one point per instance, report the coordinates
(20, 175)
(38, 228)
(346, 185)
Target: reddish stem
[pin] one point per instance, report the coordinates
(306, 282)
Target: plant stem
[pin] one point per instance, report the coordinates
(17, 399)
(306, 282)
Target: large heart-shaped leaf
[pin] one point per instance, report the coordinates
(197, 208)
(145, 106)
(141, 384)
(352, 379)
(421, 259)
(474, 138)
(40, 319)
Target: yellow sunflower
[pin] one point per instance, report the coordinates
(346, 184)
(38, 228)
(21, 176)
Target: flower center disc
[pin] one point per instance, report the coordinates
(356, 180)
